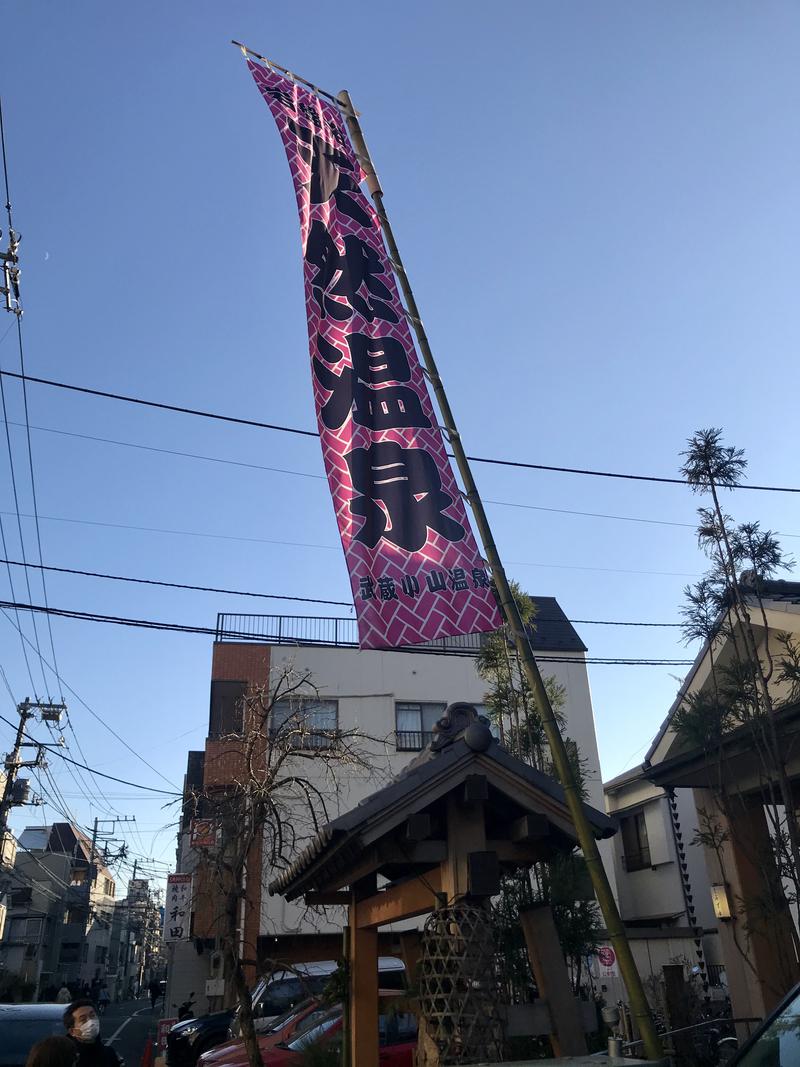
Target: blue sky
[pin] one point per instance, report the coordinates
(599, 210)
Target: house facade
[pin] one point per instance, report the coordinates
(60, 909)
(663, 886)
(392, 699)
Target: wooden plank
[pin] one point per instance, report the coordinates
(313, 898)
(403, 901)
(552, 981)
(531, 827)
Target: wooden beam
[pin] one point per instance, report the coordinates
(418, 826)
(530, 827)
(421, 852)
(363, 1000)
(403, 901)
(314, 899)
(552, 981)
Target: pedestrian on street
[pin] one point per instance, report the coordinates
(52, 1052)
(154, 989)
(83, 1027)
(103, 999)
(63, 996)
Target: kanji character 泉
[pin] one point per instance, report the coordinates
(458, 579)
(410, 585)
(366, 588)
(435, 581)
(388, 591)
(358, 266)
(480, 579)
(331, 174)
(406, 482)
(375, 360)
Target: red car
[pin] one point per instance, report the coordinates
(397, 1030)
(234, 1054)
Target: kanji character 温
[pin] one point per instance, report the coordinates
(375, 360)
(458, 579)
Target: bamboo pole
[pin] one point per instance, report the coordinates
(510, 612)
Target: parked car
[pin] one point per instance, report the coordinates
(22, 1025)
(397, 1030)
(282, 989)
(188, 1040)
(284, 1028)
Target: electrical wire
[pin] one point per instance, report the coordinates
(337, 548)
(280, 596)
(180, 409)
(104, 724)
(232, 635)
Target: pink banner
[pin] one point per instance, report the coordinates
(415, 569)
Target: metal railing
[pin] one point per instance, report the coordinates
(330, 632)
(412, 740)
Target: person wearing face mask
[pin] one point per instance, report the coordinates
(83, 1026)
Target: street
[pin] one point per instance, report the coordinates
(127, 1025)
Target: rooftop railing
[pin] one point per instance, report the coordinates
(331, 632)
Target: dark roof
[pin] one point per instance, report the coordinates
(431, 775)
(553, 632)
(778, 590)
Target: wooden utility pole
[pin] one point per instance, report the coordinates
(510, 611)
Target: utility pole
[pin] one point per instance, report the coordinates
(27, 709)
(510, 613)
(128, 929)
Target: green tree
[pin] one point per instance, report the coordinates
(562, 882)
(757, 674)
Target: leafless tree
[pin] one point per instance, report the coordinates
(268, 790)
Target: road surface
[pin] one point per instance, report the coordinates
(127, 1025)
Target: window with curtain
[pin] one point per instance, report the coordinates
(307, 723)
(635, 845)
(414, 724)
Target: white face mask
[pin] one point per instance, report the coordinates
(89, 1030)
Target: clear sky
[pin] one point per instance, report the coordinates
(598, 205)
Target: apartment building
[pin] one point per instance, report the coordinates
(60, 909)
(392, 698)
(663, 886)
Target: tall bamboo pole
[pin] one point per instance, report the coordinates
(510, 612)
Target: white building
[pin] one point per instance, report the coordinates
(393, 697)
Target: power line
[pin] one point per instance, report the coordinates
(217, 416)
(99, 718)
(279, 596)
(186, 628)
(101, 774)
(333, 548)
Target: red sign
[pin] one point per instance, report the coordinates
(164, 1027)
(415, 570)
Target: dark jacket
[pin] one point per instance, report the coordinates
(95, 1054)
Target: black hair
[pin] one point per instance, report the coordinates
(69, 1013)
(52, 1052)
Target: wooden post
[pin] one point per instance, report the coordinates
(466, 832)
(552, 980)
(364, 1036)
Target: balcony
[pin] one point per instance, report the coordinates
(329, 632)
(412, 740)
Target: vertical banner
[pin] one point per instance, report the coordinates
(415, 569)
(177, 913)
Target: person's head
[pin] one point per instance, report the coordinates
(80, 1020)
(52, 1052)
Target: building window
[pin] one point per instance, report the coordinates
(70, 952)
(635, 846)
(227, 709)
(305, 723)
(414, 724)
(108, 887)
